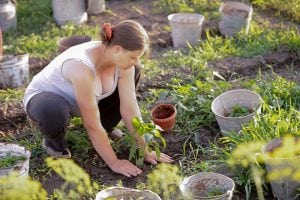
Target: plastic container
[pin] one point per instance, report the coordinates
(69, 11)
(207, 185)
(22, 167)
(185, 28)
(235, 16)
(222, 105)
(14, 70)
(119, 193)
(283, 188)
(67, 42)
(8, 18)
(95, 7)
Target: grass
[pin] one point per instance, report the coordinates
(288, 8)
(37, 32)
(9, 95)
(209, 8)
(192, 84)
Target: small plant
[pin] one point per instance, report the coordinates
(239, 111)
(165, 180)
(77, 185)
(248, 155)
(10, 160)
(149, 132)
(22, 188)
(214, 191)
(75, 177)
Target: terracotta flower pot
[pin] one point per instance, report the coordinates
(164, 116)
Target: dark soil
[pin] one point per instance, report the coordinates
(14, 123)
(163, 112)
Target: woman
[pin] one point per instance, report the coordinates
(94, 80)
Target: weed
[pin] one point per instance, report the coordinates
(78, 141)
(79, 180)
(214, 191)
(15, 187)
(278, 91)
(239, 111)
(11, 95)
(164, 180)
(10, 160)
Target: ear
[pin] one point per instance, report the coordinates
(117, 49)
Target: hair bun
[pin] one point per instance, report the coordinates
(107, 31)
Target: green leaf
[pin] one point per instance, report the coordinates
(148, 137)
(157, 151)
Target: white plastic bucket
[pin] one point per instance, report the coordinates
(72, 11)
(8, 17)
(119, 193)
(14, 70)
(222, 105)
(22, 168)
(185, 28)
(235, 16)
(95, 6)
(199, 185)
(285, 187)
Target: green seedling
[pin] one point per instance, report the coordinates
(150, 133)
(239, 111)
(10, 160)
(214, 191)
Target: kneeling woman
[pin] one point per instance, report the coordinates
(95, 80)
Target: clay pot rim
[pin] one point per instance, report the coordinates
(173, 107)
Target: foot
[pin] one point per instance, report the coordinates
(56, 154)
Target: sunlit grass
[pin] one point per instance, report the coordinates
(9, 95)
(208, 8)
(37, 33)
(289, 8)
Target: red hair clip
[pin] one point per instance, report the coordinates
(107, 31)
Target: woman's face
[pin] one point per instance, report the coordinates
(127, 59)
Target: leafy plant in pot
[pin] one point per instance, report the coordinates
(13, 158)
(164, 115)
(207, 185)
(235, 108)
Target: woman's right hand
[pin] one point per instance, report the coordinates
(125, 167)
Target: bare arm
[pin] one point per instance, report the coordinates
(82, 79)
(129, 109)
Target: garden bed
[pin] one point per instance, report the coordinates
(182, 142)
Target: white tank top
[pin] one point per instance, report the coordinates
(51, 79)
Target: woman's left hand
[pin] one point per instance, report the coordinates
(152, 158)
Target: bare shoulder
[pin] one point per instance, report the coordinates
(75, 69)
